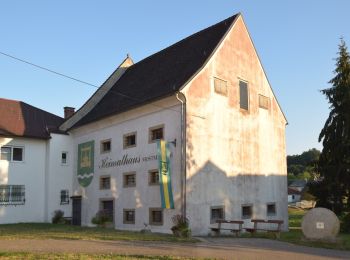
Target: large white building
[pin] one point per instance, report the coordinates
(208, 97)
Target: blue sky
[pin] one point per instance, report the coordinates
(297, 42)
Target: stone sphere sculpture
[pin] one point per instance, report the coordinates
(320, 224)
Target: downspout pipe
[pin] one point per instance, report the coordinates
(181, 97)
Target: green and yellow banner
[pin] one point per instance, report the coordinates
(85, 163)
(166, 192)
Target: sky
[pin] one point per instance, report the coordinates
(297, 42)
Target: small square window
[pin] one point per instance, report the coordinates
(243, 95)
(64, 197)
(6, 153)
(129, 216)
(263, 102)
(271, 209)
(153, 177)
(155, 216)
(220, 86)
(106, 146)
(247, 211)
(216, 213)
(64, 158)
(156, 133)
(130, 179)
(129, 140)
(105, 182)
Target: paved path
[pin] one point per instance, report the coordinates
(220, 248)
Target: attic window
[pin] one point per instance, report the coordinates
(243, 95)
(263, 102)
(220, 86)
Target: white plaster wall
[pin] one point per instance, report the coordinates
(31, 173)
(142, 197)
(60, 176)
(234, 157)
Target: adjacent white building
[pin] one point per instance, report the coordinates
(35, 168)
(209, 98)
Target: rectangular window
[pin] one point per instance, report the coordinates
(247, 211)
(130, 179)
(153, 177)
(271, 209)
(12, 153)
(220, 86)
(129, 216)
(105, 182)
(156, 133)
(243, 95)
(64, 158)
(129, 140)
(6, 153)
(64, 197)
(263, 102)
(106, 146)
(156, 216)
(12, 195)
(216, 213)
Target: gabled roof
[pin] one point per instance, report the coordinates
(161, 74)
(298, 183)
(292, 191)
(20, 119)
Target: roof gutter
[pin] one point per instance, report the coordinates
(183, 151)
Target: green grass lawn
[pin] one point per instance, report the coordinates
(61, 231)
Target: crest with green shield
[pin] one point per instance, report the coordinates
(85, 163)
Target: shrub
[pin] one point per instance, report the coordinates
(345, 223)
(58, 217)
(101, 218)
(181, 226)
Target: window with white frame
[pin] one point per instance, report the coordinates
(64, 158)
(12, 153)
(12, 194)
(64, 197)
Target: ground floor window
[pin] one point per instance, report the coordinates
(155, 216)
(12, 195)
(271, 209)
(216, 213)
(64, 197)
(247, 211)
(129, 216)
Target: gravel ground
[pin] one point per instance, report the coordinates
(219, 248)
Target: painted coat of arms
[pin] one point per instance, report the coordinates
(85, 163)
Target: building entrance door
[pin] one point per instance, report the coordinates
(108, 207)
(76, 210)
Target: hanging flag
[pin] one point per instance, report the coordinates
(85, 163)
(166, 192)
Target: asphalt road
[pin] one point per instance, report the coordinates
(219, 248)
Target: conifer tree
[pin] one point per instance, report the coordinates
(334, 161)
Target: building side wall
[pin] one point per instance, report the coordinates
(31, 174)
(234, 157)
(60, 175)
(143, 196)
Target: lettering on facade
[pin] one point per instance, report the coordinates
(108, 162)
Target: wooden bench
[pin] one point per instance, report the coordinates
(235, 226)
(275, 230)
